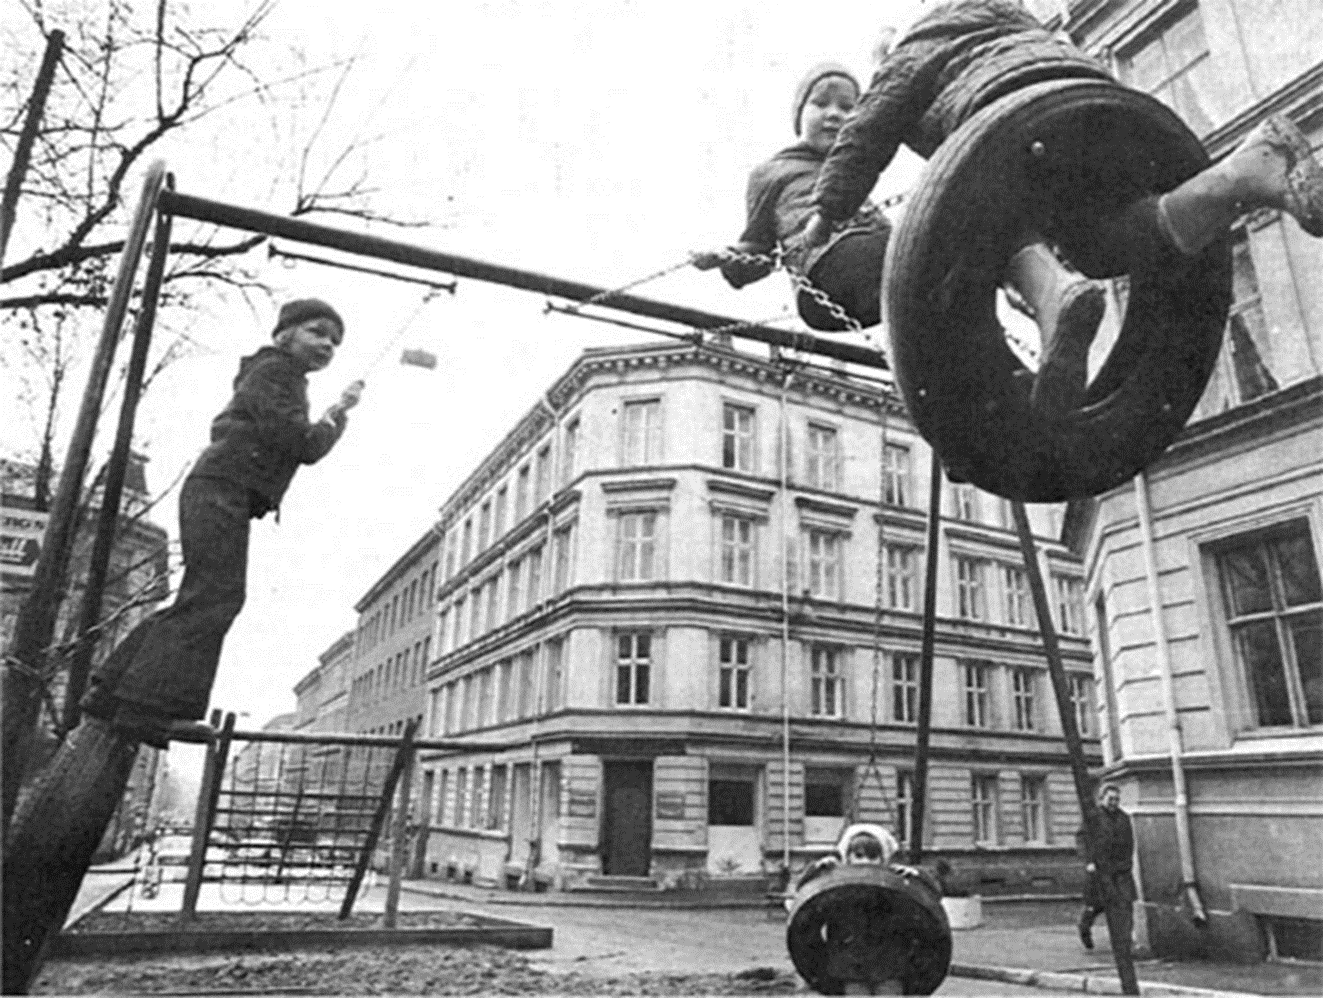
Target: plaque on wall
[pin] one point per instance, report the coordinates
(583, 804)
(670, 806)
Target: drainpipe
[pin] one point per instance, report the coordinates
(785, 632)
(1189, 884)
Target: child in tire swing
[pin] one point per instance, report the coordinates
(964, 54)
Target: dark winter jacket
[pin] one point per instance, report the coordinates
(780, 203)
(262, 436)
(953, 62)
(1113, 851)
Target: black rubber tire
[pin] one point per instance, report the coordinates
(856, 889)
(1102, 147)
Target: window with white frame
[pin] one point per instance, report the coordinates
(736, 565)
(461, 796)
(826, 685)
(527, 664)
(822, 457)
(466, 704)
(485, 693)
(633, 668)
(1081, 701)
(513, 592)
(641, 437)
(904, 801)
(1173, 65)
(478, 797)
(975, 675)
(1274, 612)
(983, 801)
(1033, 795)
(570, 456)
(452, 552)
(505, 691)
(733, 673)
(737, 437)
(534, 593)
(459, 623)
(543, 482)
(554, 690)
(442, 795)
(496, 799)
(466, 551)
(452, 707)
(564, 540)
(971, 596)
(637, 547)
(475, 614)
(498, 515)
(1241, 363)
(1019, 603)
(901, 577)
(1070, 603)
(965, 502)
(521, 493)
(443, 629)
(904, 687)
(493, 601)
(824, 563)
(1022, 696)
(897, 476)
(485, 525)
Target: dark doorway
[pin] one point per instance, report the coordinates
(627, 821)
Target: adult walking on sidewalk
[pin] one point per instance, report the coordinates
(1111, 887)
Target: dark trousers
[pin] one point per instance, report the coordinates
(167, 664)
(850, 272)
(1113, 897)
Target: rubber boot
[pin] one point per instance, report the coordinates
(1272, 168)
(1067, 307)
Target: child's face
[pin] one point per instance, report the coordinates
(829, 102)
(311, 343)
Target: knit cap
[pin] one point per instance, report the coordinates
(818, 72)
(302, 309)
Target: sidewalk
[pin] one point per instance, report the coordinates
(1027, 943)
(100, 884)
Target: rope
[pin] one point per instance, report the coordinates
(395, 337)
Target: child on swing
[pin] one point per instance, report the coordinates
(844, 258)
(961, 56)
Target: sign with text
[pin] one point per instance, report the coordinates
(20, 540)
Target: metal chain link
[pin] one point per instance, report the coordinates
(800, 281)
(602, 296)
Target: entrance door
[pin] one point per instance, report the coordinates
(627, 822)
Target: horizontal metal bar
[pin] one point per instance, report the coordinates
(385, 741)
(219, 213)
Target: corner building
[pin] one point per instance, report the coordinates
(609, 625)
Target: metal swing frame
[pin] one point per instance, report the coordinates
(161, 203)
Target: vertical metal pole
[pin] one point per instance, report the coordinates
(24, 671)
(785, 634)
(918, 799)
(23, 151)
(213, 776)
(112, 491)
(404, 752)
(399, 837)
(1125, 966)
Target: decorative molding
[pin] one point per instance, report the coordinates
(825, 507)
(958, 532)
(742, 489)
(639, 485)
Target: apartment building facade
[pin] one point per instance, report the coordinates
(652, 690)
(1202, 578)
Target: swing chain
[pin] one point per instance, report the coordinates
(800, 282)
(602, 296)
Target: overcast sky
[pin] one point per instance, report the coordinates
(598, 141)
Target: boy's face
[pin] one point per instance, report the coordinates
(311, 343)
(829, 103)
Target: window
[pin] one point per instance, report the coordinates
(976, 694)
(1174, 67)
(485, 704)
(496, 799)
(1081, 701)
(642, 433)
(897, 484)
(570, 454)
(637, 546)
(543, 481)
(1022, 692)
(730, 802)
(521, 494)
(733, 673)
(443, 791)
(824, 795)
(564, 551)
(1019, 601)
(964, 503)
(1032, 795)
(443, 629)
(499, 518)
(822, 460)
(485, 525)
(901, 577)
(983, 798)
(633, 668)
(504, 691)
(493, 601)
(475, 617)
(476, 814)
(737, 441)
(512, 594)
(824, 564)
(461, 796)
(459, 623)
(736, 550)
(970, 601)
(467, 703)
(467, 550)
(534, 577)
(554, 691)
(452, 708)
(1070, 603)
(904, 688)
(527, 684)
(904, 798)
(825, 683)
(1274, 610)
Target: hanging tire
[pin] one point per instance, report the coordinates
(867, 924)
(1054, 156)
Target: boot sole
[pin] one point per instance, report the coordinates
(1303, 200)
(1063, 371)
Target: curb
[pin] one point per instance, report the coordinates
(1089, 984)
(566, 899)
